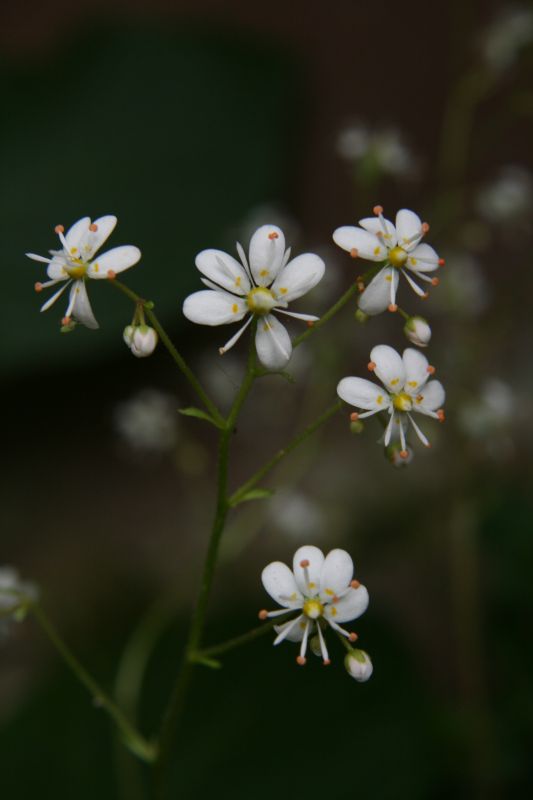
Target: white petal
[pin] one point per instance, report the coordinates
(363, 394)
(223, 270)
(380, 227)
(337, 572)
(56, 269)
(279, 582)
(235, 338)
(82, 310)
(377, 295)
(408, 228)
(433, 397)
(298, 277)
(76, 232)
(416, 370)
(367, 245)
(35, 257)
(308, 578)
(117, 260)
(267, 248)
(350, 606)
(272, 342)
(422, 258)
(91, 241)
(55, 296)
(295, 315)
(389, 367)
(214, 308)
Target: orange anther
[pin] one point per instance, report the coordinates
(425, 227)
(378, 210)
(111, 275)
(371, 366)
(304, 563)
(263, 614)
(361, 286)
(430, 369)
(355, 584)
(335, 599)
(38, 287)
(425, 296)
(441, 262)
(403, 453)
(300, 660)
(66, 320)
(93, 227)
(59, 229)
(354, 416)
(326, 662)
(310, 323)
(273, 235)
(392, 307)
(441, 415)
(435, 281)
(354, 252)
(353, 637)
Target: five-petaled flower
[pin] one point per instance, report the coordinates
(407, 389)
(398, 246)
(321, 589)
(76, 262)
(267, 281)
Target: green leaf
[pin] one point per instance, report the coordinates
(254, 494)
(192, 411)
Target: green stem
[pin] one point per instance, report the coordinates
(237, 641)
(147, 305)
(177, 698)
(239, 493)
(335, 308)
(132, 738)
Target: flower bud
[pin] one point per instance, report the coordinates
(127, 334)
(360, 316)
(357, 426)
(358, 665)
(314, 644)
(417, 331)
(144, 341)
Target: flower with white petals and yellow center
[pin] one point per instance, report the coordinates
(256, 286)
(322, 590)
(398, 246)
(408, 389)
(76, 262)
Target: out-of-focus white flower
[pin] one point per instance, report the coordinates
(321, 589)
(294, 513)
(509, 197)
(358, 665)
(407, 390)
(265, 282)
(491, 412)
(398, 248)
(384, 148)
(76, 262)
(141, 339)
(418, 331)
(15, 595)
(148, 421)
(506, 36)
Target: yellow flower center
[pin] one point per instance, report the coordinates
(260, 301)
(397, 257)
(313, 608)
(402, 401)
(76, 268)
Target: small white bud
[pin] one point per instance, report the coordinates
(418, 331)
(144, 341)
(358, 665)
(127, 334)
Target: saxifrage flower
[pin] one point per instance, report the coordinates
(256, 286)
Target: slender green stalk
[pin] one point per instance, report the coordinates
(142, 748)
(178, 359)
(335, 308)
(237, 641)
(239, 493)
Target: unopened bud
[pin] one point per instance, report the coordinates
(358, 665)
(67, 325)
(360, 316)
(314, 644)
(144, 341)
(417, 331)
(357, 426)
(127, 334)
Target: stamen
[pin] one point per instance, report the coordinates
(111, 274)
(430, 369)
(425, 228)
(392, 307)
(263, 614)
(303, 647)
(442, 262)
(354, 252)
(304, 563)
(371, 366)
(414, 286)
(93, 227)
(38, 287)
(66, 320)
(353, 637)
(59, 229)
(423, 438)
(273, 235)
(354, 416)
(310, 323)
(435, 281)
(301, 661)
(388, 431)
(287, 629)
(404, 453)
(355, 584)
(378, 210)
(441, 415)
(323, 648)
(361, 286)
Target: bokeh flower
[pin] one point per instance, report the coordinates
(15, 595)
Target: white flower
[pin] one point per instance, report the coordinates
(14, 596)
(75, 262)
(407, 389)
(267, 281)
(141, 339)
(321, 589)
(383, 148)
(398, 246)
(359, 665)
(506, 36)
(147, 421)
(418, 331)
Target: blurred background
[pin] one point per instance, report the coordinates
(195, 123)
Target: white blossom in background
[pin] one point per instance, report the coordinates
(407, 390)
(322, 592)
(509, 197)
(383, 147)
(493, 411)
(148, 421)
(358, 665)
(505, 37)
(295, 513)
(14, 595)
(398, 248)
(76, 262)
(265, 282)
